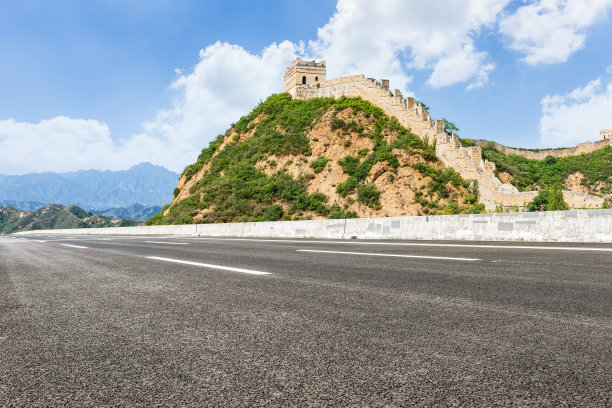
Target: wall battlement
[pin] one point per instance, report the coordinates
(586, 147)
(412, 115)
(304, 73)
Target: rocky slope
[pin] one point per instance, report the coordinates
(54, 216)
(320, 158)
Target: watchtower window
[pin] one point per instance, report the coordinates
(317, 79)
(304, 80)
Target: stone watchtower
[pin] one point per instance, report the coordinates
(606, 134)
(303, 73)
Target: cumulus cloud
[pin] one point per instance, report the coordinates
(60, 143)
(225, 84)
(550, 31)
(384, 39)
(576, 116)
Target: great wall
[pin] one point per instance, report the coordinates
(586, 147)
(307, 79)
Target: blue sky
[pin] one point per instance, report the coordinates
(110, 83)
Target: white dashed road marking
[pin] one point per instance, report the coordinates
(204, 265)
(389, 255)
(74, 246)
(166, 243)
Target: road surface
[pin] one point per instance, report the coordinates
(189, 321)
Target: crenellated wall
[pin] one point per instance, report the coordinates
(410, 114)
(586, 147)
(467, 161)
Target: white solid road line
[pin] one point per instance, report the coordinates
(390, 255)
(221, 267)
(167, 243)
(74, 246)
(349, 242)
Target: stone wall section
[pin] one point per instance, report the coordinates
(586, 147)
(467, 161)
(410, 114)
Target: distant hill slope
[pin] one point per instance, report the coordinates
(54, 216)
(133, 212)
(93, 189)
(316, 158)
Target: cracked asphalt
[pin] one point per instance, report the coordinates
(333, 323)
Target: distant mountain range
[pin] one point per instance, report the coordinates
(133, 212)
(145, 183)
(22, 205)
(55, 216)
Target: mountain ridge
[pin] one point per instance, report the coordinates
(144, 183)
(55, 216)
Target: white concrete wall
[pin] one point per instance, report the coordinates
(567, 226)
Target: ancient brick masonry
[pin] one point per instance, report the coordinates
(586, 147)
(306, 80)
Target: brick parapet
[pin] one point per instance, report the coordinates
(586, 147)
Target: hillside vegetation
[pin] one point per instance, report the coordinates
(54, 216)
(589, 173)
(319, 158)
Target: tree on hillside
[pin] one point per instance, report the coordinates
(450, 127)
(549, 199)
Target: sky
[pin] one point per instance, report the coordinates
(106, 84)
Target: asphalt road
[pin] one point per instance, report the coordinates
(181, 321)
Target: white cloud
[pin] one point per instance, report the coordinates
(227, 83)
(550, 31)
(60, 143)
(380, 40)
(577, 116)
(383, 39)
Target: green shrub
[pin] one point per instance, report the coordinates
(347, 187)
(475, 209)
(550, 199)
(273, 213)
(319, 164)
(451, 208)
(368, 194)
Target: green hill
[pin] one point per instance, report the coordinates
(319, 158)
(54, 216)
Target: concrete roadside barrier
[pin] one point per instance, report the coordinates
(561, 226)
